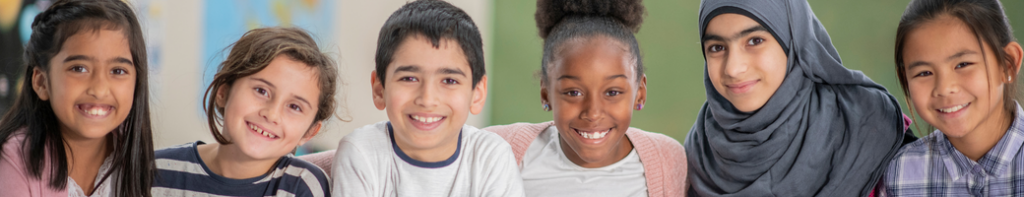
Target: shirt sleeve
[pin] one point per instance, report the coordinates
(502, 174)
(14, 177)
(353, 172)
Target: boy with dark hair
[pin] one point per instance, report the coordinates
(429, 76)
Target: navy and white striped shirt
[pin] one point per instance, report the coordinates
(182, 173)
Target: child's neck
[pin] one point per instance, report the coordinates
(228, 161)
(977, 143)
(84, 157)
(442, 152)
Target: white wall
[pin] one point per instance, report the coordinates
(177, 120)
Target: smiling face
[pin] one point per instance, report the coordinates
(90, 84)
(268, 114)
(745, 63)
(592, 88)
(428, 93)
(956, 83)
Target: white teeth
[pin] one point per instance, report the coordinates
(953, 109)
(259, 130)
(96, 112)
(594, 135)
(426, 119)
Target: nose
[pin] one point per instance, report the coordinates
(592, 108)
(428, 95)
(99, 85)
(945, 85)
(271, 111)
(736, 63)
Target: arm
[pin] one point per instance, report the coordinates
(501, 176)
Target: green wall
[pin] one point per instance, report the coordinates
(862, 30)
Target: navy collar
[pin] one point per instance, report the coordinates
(417, 163)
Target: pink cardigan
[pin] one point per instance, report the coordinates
(663, 157)
(14, 176)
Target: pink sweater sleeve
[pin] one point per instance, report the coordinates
(14, 176)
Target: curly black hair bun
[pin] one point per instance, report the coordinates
(630, 13)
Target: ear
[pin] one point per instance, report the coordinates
(378, 91)
(222, 95)
(544, 93)
(40, 84)
(641, 91)
(1016, 53)
(479, 96)
(311, 132)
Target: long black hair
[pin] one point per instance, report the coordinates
(132, 158)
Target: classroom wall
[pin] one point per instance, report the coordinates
(863, 32)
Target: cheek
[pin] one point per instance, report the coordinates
(920, 94)
(125, 93)
(774, 69)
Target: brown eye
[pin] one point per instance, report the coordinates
(755, 41)
(715, 48)
(573, 93)
(78, 69)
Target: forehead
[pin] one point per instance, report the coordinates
(290, 77)
(728, 24)
(938, 38)
(99, 41)
(417, 50)
(597, 55)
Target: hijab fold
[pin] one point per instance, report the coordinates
(827, 130)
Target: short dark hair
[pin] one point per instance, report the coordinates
(434, 19)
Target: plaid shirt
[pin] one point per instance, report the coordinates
(932, 167)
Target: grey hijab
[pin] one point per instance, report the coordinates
(827, 130)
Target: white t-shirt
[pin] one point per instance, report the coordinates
(547, 172)
(369, 164)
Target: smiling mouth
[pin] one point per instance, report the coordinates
(427, 120)
(593, 135)
(260, 131)
(742, 87)
(953, 108)
(95, 110)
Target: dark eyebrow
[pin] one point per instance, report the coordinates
(303, 100)
(451, 71)
(743, 33)
(615, 76)
(960, 54)
(408, 68)
(916, 64)
(77, 57)
(568, 77)
(264, 81)
(122, 60)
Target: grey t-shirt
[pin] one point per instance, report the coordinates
(547, 172)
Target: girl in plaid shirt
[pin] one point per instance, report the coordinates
(957, 62)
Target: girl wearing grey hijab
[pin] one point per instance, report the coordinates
(805, 126)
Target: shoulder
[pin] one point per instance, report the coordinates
(304, 176)
(371, 133)
(12, 146)
(475, 138)
(181, 152)
(510, 130)
(660, 142)
(915, 160)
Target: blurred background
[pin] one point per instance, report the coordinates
(186, 41)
